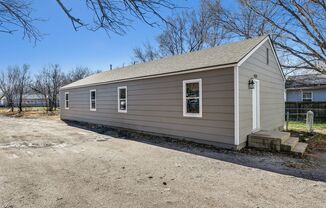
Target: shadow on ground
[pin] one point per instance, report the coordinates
(312, 167)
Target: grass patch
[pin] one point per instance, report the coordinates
(29, 112)
(301, 126)
(318, 142)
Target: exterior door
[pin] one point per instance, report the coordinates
(256, 106)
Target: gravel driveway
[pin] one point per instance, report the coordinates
(46, 163)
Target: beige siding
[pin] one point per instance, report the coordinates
(271, 92)
(155, 105)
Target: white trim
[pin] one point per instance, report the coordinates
(67, 108)
(90, 100)
(200, 114)
(256, 48)
(154, 76)
(256, 106)
(119, 110)
(312, 96)
(236, 106)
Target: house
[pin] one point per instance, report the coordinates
(306, 93)
(216, 96)
(29, 100)
(306, 88)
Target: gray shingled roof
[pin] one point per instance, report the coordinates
(304, 81)
(221, 55)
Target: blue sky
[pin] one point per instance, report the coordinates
(62, 45)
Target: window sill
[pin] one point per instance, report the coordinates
(194, 115)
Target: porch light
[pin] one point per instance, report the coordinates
(251, 84)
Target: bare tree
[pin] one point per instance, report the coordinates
(114, 16)
(111, 16)
(76, 74)
(47, 83)
(301, 27)
(17, 15)
(244, 22)
(8, 85)
(297, 28)
(185, 32)
(149, 53)
(23, 81)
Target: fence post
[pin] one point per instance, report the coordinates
(310, 121)
(287, 120)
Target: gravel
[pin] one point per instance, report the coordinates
(48, 163)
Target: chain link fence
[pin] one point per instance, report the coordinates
(298, 110)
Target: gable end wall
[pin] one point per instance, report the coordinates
(272, 104)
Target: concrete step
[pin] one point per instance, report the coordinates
(269, 140)
(289, 144)
(271, 135)
(299, 149)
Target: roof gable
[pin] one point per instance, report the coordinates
(273, 53)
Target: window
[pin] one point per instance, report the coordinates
(67, 100)
(192, 98)
(307, 96)
(93, 100)
(267, 56)
(122, 99)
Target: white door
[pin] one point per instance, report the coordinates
(256, 106)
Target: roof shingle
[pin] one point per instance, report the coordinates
(307, 80)
(221, 55)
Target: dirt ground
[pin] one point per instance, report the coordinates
(48, 163)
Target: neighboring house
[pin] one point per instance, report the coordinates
(306, 88)
(215, 96)
(306, 93)
(29, 100)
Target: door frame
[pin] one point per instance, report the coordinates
(255, 106)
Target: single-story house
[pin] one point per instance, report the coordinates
(29, 100)
(215, 96)
(306, 88)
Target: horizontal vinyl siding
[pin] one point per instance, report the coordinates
(156, 105)
(271, 92)
(318, 95)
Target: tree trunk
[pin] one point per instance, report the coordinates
(12, 105)
(20, 102)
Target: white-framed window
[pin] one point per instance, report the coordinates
(192, 98)
(66, 100)
(92, 100)
(122, 99)
(307, 96)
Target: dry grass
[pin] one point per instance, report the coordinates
(317, 141)
(31, 112)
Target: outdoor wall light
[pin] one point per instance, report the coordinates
(251, 84)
